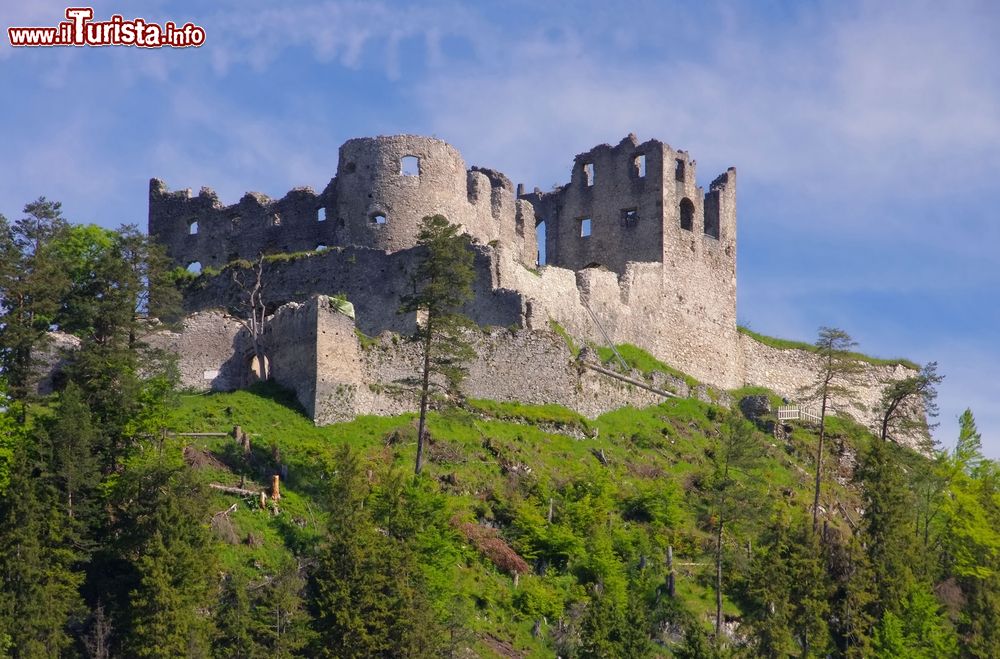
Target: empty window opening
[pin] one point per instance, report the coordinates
(540, 233)
(687, 214)
(679, 169)
(321, 215)
(378, 218)
(585, 227)
(276, 220)
(639, 165)
(194, 268)
(630, 217)
(193, 228)
(409, 166)
(320, 248)
(588, 173)
(712, 216)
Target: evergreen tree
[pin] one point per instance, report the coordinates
(836, 371)
(733, 492)
(39, 562)
(234, 620)
(72, 441)
(126, 385)
(369, 597)
(441, 284)
(166, 559)
(888, 527)
(851, 602)
(788, 593)
(906, 404)
(32, 283)
(282, 618)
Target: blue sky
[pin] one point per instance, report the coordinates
(866, 134)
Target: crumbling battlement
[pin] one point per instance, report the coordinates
(383, 187)
(637, 202)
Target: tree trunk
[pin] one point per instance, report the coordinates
(718, 585)
(671, 585)
(424, 388)
(819, 460)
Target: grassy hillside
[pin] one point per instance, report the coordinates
(621, 489)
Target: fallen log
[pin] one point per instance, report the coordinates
(234, 490)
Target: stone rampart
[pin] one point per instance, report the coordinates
(788, 372)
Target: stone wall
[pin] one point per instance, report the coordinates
(212, 348)
(788, 372)
(373, 281)
(527, 366)
(640, 307)
(48, 360)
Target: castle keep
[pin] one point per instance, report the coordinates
(634, 252)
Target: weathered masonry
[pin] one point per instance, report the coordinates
(635, 252)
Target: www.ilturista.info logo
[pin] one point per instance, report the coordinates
(81, 30)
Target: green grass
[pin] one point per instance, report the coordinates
(775, 400)
(786, 344)
(638, 358)
(574, 349)
(556, 415)
(367, 342)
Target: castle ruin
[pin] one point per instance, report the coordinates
(634, 252)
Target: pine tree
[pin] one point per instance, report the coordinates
(441, 284)
(837, 369)
(788, 595)
(888, 527)
(234, 620)
(75, 467)
(32, 283)
(369, 597)
(170, 553)
(733, 494)
(39, 565)
(851, 601)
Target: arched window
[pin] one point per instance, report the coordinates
(687, 214)
(409, 166)
(194, 267)
(320, 248)
(193, 228)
